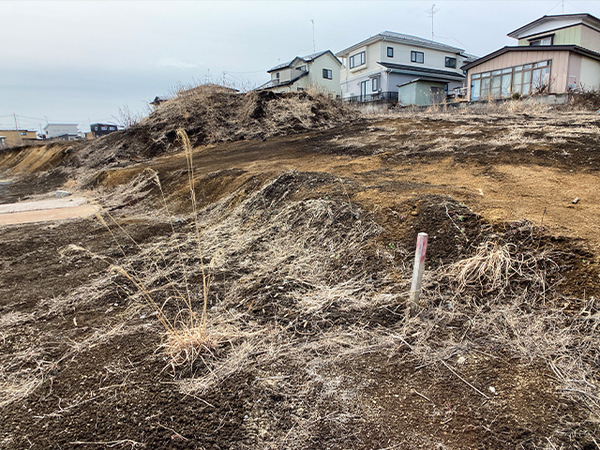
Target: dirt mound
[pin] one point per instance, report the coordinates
(211, 114)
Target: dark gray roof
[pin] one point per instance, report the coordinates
(402, 39)
(526, 48)
(271, 84)
(581, 16)
(423, 71)
(430, 79)
(307, 58)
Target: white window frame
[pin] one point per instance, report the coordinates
(328, 74)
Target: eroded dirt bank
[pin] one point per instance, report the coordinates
(308, 241)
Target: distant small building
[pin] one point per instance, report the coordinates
(13, 138)
(102, 129)
(62, 130)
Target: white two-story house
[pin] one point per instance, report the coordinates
(319, 70)
(384, 65)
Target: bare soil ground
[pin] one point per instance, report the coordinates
(308, 240)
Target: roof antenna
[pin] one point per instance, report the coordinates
(314, 46)
(431, 12)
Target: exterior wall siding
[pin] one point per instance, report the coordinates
(315, 74)
(590, 73)
(14, 137)
(590, 39)
(559, 69)
(565, 36)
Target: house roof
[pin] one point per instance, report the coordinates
(62, 125)
(270, 84)
(423, 71)
(522, 32)
(400, 38)
(416, 80)
(306, 59)
(526, 48)
(104, 124)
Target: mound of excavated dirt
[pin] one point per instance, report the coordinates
(211, 114)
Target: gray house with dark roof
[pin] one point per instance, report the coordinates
(382, 65)
(319, 70)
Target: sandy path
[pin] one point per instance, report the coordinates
(45, 210)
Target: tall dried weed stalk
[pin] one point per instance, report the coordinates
(186, 332)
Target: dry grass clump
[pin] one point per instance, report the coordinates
(494, 266)
(585, 99)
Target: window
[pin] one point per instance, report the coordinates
(417, 57)
(523, 80)
(103, 128)
(328, 74)
(375, 84)
(23, 133)
(302, 68)
(112, 128)
(451, 62)
(277, 75)
(357, 60)
(541, 41)
(390, 52)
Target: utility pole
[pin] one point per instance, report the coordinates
(313, 26)
(17, 129)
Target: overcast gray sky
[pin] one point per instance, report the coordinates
(79, 61)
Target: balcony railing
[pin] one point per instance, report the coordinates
(372, 97)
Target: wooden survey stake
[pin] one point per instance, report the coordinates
(415, 289)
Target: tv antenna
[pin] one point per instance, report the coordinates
(431, 12)
(313, 27)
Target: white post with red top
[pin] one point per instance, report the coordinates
(415, 289)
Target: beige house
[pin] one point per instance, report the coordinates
(554, 55)
(13, 138)
(319, 70)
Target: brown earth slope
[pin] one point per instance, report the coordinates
(308, 241)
